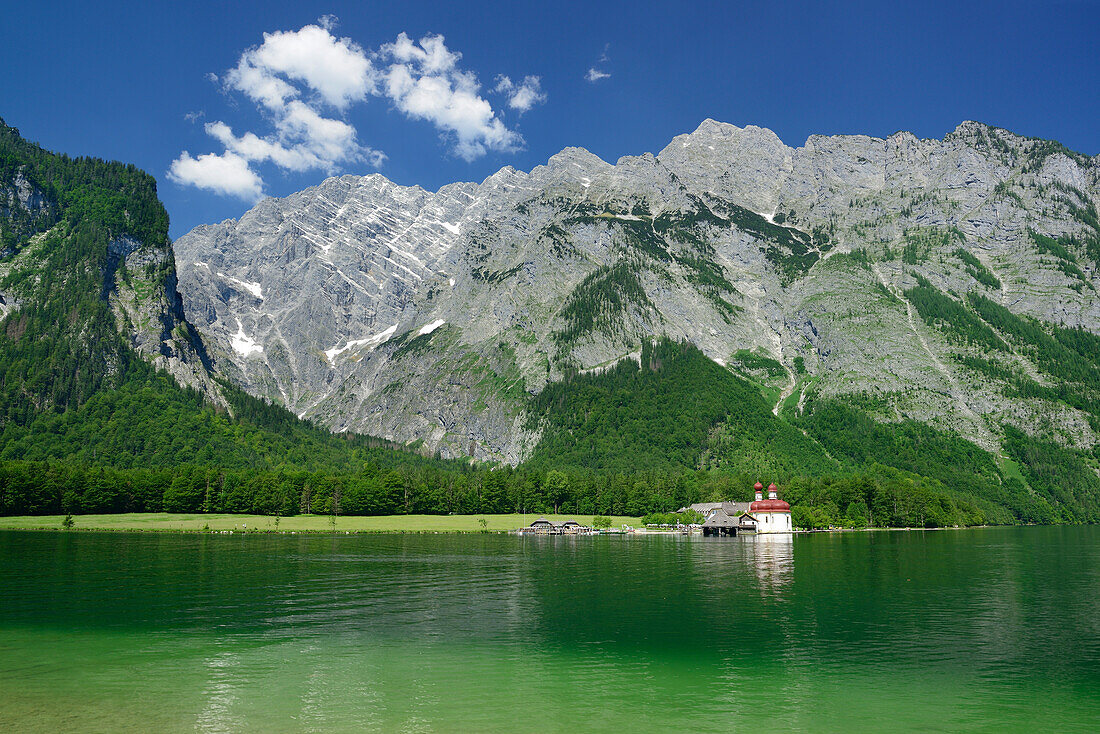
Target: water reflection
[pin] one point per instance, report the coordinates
(772, 558)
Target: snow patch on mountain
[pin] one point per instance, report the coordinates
(333, 353)
(429, 328)
(243, 344)
(253, 288)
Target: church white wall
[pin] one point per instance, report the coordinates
(773, 522)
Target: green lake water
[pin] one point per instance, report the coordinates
(975, 630)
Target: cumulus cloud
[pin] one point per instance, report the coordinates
(293, 76)
(522, 96)
(336, 69)
(304, 81)
(226, 174)
(251, 147)
(430, 54)
(424, 81)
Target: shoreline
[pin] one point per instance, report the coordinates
(227, 524)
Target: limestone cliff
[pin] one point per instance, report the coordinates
(430, 318)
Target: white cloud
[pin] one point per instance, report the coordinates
(274, 75)
(338, 70)
(257, 150)
(425, 83)
(431, 54)
(259, 84)
(303, 81)
(227, 173)
(522, 96)
(594, 75)
(332, 140)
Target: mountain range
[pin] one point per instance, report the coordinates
(883, 272)
(896, 330)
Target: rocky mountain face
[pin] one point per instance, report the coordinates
(87, 279)
(141, 287)
(857, 268)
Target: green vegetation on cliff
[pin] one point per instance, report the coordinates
(61, 346)
(678, 412)
(656, 415)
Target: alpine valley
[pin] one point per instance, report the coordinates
(896, 310)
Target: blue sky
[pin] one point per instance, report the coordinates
(354, 87)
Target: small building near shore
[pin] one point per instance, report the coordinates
(747, 521)
(721, 522)
(542, 526)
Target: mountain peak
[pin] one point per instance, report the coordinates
(572, 154)
(710, 129)
(969, 127)
(744, 165)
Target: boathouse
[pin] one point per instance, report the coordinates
(721, 522)
(542, 526)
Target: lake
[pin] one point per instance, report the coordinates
(971, 630)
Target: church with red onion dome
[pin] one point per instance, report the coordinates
(773, 515)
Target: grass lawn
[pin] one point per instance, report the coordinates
(316, 523)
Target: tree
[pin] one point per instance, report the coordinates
(691, 517)
(602, 522)
(857, 514)
(557, 488)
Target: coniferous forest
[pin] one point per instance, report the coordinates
(88, 426)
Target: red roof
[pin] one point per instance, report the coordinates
(769, 506)
(758, 486)
(772, 487)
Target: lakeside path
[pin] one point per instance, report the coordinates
(197, 522)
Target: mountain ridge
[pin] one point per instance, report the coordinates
(727, 237)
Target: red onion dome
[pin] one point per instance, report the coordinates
(772, 488)
(758, 486)
(769, 506)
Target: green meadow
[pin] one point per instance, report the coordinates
(169, 521)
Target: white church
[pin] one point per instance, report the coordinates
(773, 515)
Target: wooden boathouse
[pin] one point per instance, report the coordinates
(542, 526)
(721, 522)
